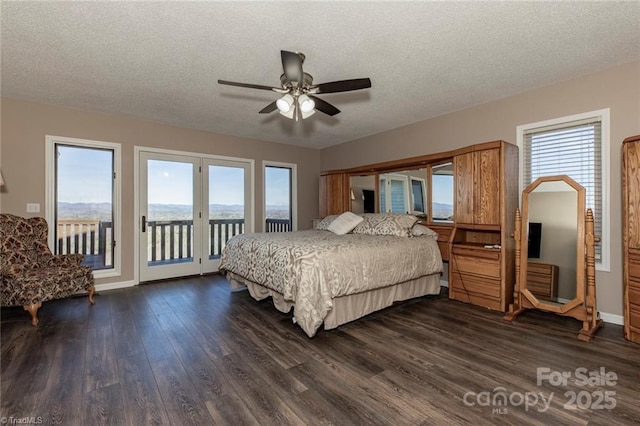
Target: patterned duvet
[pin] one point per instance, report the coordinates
(310, 268)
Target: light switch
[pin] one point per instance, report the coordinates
(33, 207)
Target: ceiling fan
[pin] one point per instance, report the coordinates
(299, 91)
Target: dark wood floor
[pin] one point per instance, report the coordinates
(191, 352)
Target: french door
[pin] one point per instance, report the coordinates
(228, 208)
(189, 207)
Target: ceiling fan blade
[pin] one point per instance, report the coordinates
(269, 108)
(343, 85)
(324, 106)
(292, 66)
(247, 85)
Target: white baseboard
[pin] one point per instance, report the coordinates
(444, 283)
(608, 318)
(612, 318)
(114, 286)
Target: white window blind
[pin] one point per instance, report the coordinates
(573, 149)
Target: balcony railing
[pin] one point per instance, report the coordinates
(169, 240)
(278, 225)
(91, 238)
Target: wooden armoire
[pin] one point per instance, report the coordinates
(631, 236)
(481, 265)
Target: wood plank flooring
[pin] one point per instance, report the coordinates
(189, 351)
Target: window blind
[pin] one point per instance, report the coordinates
(573, 149)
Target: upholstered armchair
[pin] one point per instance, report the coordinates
(29, 273)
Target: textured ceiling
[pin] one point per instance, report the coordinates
(160, 60)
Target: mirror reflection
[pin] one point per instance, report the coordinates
(442, 192)
(363, 198)
(404, 192)
(552, 238)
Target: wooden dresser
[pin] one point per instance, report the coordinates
(481, 267)
(542, 280)
(631, 236)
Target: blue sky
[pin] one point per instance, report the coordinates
(442, 189)
(84, 176)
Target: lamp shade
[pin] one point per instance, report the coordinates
(285, 103)
(289, 114)
(306, 103)
(307, 114)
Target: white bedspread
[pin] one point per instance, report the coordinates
(309, 268)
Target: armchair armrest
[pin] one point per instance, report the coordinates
(64, 260)
(10, 271)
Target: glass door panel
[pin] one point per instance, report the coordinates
(277, 199)
(228, 206)
(169, 209)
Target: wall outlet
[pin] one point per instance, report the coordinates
(33, 207)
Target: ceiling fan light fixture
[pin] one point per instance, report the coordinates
(285, 104)
(307, 114)
(306, 104)
(289, 114)
(298, 91)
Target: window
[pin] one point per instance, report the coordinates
(417, 195)
(576, 146)
(279, 197)
(394, 195)
(83, 201)
(442, 192)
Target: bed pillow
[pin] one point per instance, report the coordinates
(420, 230)
(344, 223)
(324, 223)
(386, 224)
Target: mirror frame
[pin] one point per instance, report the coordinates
(583, 307)
(580, 246)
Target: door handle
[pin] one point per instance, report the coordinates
(144, 224)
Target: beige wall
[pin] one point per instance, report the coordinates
(25, 124)
(616, 88)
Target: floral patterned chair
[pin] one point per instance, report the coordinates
(29, 273)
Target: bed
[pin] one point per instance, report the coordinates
(336, 278)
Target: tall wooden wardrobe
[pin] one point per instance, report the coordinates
(631, 236)
(481, 265)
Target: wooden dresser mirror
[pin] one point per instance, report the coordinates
(555, 261)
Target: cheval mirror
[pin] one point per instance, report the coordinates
(555, 254)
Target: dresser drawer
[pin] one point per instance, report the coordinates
(539, 268)
(634, 266)
(539, 289)
(542, 279)
(476, 265)
(473, 284)
(465, 250)
(634, 316)
(634, 294)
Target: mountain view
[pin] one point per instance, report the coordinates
(442, 211)
(102, 211)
